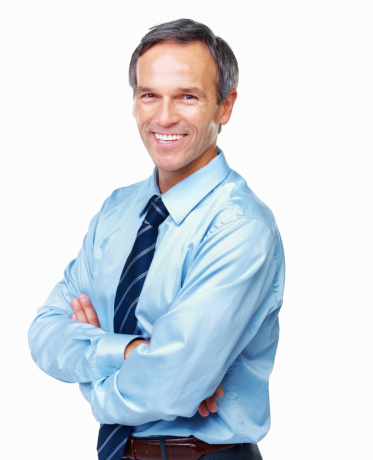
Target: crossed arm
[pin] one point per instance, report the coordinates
(85, 313)
(200, 335)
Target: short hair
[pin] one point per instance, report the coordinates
(184, 31)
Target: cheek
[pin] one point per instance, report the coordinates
(142, 114)
(207, 123)
(201, 123)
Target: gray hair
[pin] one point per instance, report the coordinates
(184, 31)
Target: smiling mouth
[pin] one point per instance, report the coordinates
(168, 138)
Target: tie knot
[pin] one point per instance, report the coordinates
(157, 212)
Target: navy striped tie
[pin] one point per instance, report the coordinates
(112, 438)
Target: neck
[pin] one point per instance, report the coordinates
(168, 179)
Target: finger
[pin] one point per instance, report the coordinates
(202, 409)
(78, 310)
(73, 317)
(211, 404)
(89, 311)
(219, 393)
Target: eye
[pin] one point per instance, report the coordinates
(189, 97)
(148, 95)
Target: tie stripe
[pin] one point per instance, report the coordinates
(159, 210)
(139, 278)
(141, 231)
(108, 438)
(112, 438)
(145, 251)
(117, 449)
(128, 312)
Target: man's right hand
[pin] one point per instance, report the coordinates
(85, 313)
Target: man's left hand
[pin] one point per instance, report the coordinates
(210, 404)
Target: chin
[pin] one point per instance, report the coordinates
(168, 162)
(168, 166)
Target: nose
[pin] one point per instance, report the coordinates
(167, 113)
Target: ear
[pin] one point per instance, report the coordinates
(227, 107)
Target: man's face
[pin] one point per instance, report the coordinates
(175, 106)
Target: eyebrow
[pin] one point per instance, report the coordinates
(188, 90)
(191, 90)
(143, 89)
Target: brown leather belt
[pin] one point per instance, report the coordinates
(176, 448)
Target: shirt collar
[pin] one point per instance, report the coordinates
(184, 196)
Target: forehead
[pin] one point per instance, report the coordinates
(171, 63)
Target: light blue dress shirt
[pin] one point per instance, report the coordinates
(209, 305)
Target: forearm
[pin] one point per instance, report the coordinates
(72, 351)
(153, 395)
(207, 406)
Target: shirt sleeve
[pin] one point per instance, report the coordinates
(69, 350)
(228, 292)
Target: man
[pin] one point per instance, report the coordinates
(149, 345)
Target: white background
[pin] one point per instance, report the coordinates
(301, 134)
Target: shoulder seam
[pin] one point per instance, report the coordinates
(240, 214)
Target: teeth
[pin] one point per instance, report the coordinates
(170, 137)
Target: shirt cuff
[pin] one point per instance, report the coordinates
(110, 352)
